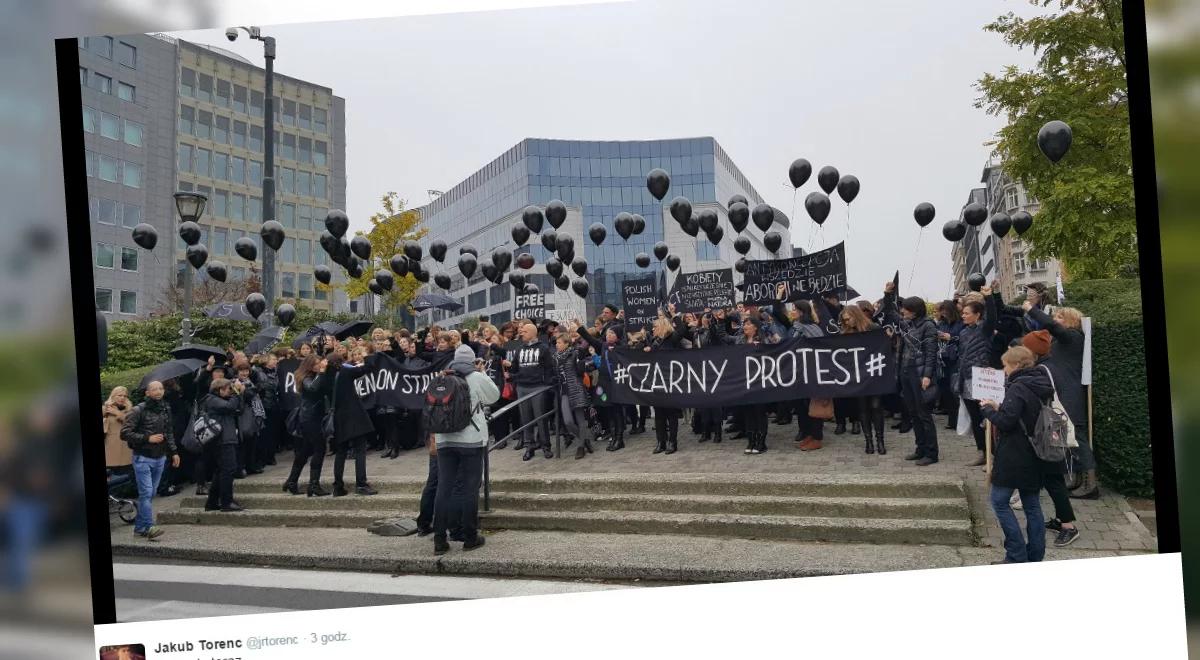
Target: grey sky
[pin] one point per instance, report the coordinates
(880, 90)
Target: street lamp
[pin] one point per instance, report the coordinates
(190, 206)
(268, 182)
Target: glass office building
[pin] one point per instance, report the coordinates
(597, 181)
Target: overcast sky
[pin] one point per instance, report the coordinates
(883, 91)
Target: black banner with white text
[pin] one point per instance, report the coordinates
(806, 277)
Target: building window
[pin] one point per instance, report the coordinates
(126, 55)
(109, 168)
(256, 138)
(106, 211)
(220, 198)
(287, 179)
(90, 159)
(237, 273)
(187, 82)
(255, 173)
(318, 186)
(185, 158)
(89, 119)
(204, 124)
(101, 83)
(1011, 200)
(223, 93)
(237, 204)
(287, 146)
(220, 166)
(304, 153)
(318, 157)
(126, 92)
(320, 294)
(306, 286)
(83, 76)
(288, 290)
(289, 113)
(239, 134)
(201, 165)
(102, 46)
(104, 256)
(287, 215)
(220, 237)
(129, 302)
(237, 168)
(1038, 265)
(186, 186)
(499, 293)
(256, 103)
(239, 98)
(303, 251)
(303, 186)
(132, 175)
(305, 117)
(1019, 263)
(254, 210)
(187, 117)
(319, 120)
(110, 126)
(133, 133)
(104, 300)
(129, 258)
(204, 87)
(221, 130)
(303, 216)
(477, 301)
(132, 216)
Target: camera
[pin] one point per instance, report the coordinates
(231, 34)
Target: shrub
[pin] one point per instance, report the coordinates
(129, 378)
(1121, 418)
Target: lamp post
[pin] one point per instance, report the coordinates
(190, 206)
(268, 182)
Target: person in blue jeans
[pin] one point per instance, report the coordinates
(1015, 464)
(148, 431)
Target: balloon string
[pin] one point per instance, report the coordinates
(847, 222)
(916, 255)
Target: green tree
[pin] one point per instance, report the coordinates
(1087, 214)
(390, 228)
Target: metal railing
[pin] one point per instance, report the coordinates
(514, 408)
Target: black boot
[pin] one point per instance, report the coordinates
(762, 443)
(288, 487)
(717, 435)
(660, 444)
(870, 440)
(339, 490)
(315, 490)
(703, 437)
(855, 429)
(672, 444)
(529, 452)
(612, 444)
(840, 429)
(587, 445)
(880, 448)
(751, 443)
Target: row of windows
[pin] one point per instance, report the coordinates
(235, 169)
(126, 54)
(109, 168)
(106, 257)
(104, 84)
(104, 301)
(635, 168)
(110, 126)
(225, 94)
(111, 212)
(225, 130)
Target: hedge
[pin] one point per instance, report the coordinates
(129, 378)
(1120, 405)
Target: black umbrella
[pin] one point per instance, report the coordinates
(172, 369)
(199, 352)
(229, 311)
(265, 339)
(320, 329)
(435, 301)
(352, 329)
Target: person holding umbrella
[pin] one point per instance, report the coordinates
(148, 431)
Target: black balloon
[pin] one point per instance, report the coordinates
(517, 280)
(272, 234)
(1054, 139)
(740, 286)
(673, 262)
(681, 209)
(361, 247)
(566, 247)
(285, 314)
(145, 236)
(337, 222)
(246, 248)
(399, 264)
(742, 245)
(661, 250)
(639, 224)
(189, 232)
(973, 214)
(532, 218)
(579, 265)
(520, 234)
(597, 232)
(375, 288)
(323, 274)
(642, 260)
(691, 226)
(1001, 223)
(422, 276)
(197, 255)
(954, 230)
(256, 304)
(658, 182)
(715, 235)
(817, 205)
(580, 287)
(976, 281)
(467, 249)
(501, 259)
(490, 272)
(442, 280)
(437, 250)
(328, 242)
(467, 263)
(550, 240)
(847, 188)
(624, 225)
(739, 215)
(412, 250)
(773, 241)
(1022, 221)
(737, 199)
(827, 178)
(924, 213)
(763, 216)
(385, 280)
(556, 213)
(343, 254)
(708, 219)
(216, 270)
(341, 259)
(740, 265)
(563, 282)
(355, 269)
(566, 258)
(531, 289)
(525, 261)
(799, 171)
(554, 267)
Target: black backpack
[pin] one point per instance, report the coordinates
(448, 405)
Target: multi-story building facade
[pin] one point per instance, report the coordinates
(596, 181)
(1014, 268)
(161, 115)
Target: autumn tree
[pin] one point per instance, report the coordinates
(390, 228)
(1086, 217)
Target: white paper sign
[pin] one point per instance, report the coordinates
(1087, 351)
(987, 384)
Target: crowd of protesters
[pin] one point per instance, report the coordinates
(1040, 349)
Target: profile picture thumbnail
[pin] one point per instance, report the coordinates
(123, 652)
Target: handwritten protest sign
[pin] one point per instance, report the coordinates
(809, 276)
(692, 293)
(529, 306)
(987, 384)
(639, 298)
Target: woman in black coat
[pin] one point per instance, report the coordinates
(974, 350)
(612, 415)
(754, 416)
(224, 404)
(315, 387)
(667, 333)
(569, 363)
(1015, 465)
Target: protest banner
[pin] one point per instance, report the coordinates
(530, 306)
(692, 293)
(639, 299)
(987, 384)
(805, 277)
